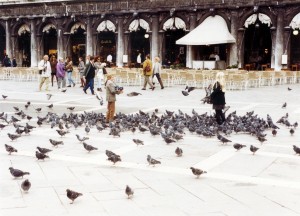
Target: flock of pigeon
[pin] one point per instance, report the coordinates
(170, 126)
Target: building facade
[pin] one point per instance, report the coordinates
(264, 30)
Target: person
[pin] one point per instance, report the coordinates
(212, 56)
(53, 63)
(99, 66)
(6, 61)
(218, 97)
(14, 62)
(81, 71)
(111, 93)
(45, 71)
(89, 75)
(157, 71)
(217, 57)
(109, 58)
(147, 69)
(139, 60)
(61, 73)
(69, 69)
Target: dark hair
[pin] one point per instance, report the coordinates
(91, 58)
(148, 56)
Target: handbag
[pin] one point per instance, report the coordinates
(40, 72)
(147, 69)
(104, 71)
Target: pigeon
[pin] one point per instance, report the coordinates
(17, 173)
(13, 136)
(132, 94)
(64, 90)
(238, 146)
(50, 106)
(88, 147)
(253, 149)
(28, 117)
(26, 185)
(152, 161)
(26, 106)
(138, 142)
(114, 158)
(274, 132)
(71, 108)
(16, 109)
(284, 105)
(56, 143)
(40, 156)
(142, 129)
(4, 97)
(87, 129)
(185, 93)
(72, 195)
(296, 149)
(2, 126)
(178, 152)
(129, 192)
(10, 149)
(189, 89)
(29, 126)
(289, 89)
(49, 96)
(295, 124)
(197, 172)
(169, 140)
(223, 139)
(99, 98)
(62, 132)
(156, 110)
(38, 109)
(261, 139)
(292, 131)
(81, 139)
(44, 150)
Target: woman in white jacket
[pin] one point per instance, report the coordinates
(99, 66)
(45, 72)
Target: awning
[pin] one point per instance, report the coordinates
(213, 30)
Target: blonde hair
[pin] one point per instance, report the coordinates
(220, 78)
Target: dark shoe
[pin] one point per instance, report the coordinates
(162, 87)
(100, 89)
(153, 88)
(93, 93)
(143, 89)
(84, 91)
(69, 86)
(153, 83)
(73, 84)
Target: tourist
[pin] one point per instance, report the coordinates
(81, 71)
(147, 70)
(69, 69)
(89, 75)
(139, 60)
(14, 62)
(157, 71)
(99, 73)
(111, 92)
(6, 61)
(53, 63)
(45, 72)
(218, 97)
(61, 73)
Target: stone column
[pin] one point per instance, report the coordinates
(273, 37)
(96, 45)
(233, 53)
(287, 45)
(127, 46)
(89, 37)
(8, 39)
(189, 49)
(154, 41)
(162, 47)
(279, 40)
(40, 47)
(120, 43)
(240, 47)
(33, 39)
(60, 46)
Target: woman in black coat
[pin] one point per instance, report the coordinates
(218, 97)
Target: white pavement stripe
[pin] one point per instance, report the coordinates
(165, 169)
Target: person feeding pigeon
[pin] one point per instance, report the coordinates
(111, 92)
(218, 97)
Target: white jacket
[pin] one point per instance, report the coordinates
(45, 67)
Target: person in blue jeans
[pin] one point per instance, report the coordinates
(69, 69)
(89, 75)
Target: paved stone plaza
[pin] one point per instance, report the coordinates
(237, 183)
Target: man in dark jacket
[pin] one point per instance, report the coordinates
(89, 75)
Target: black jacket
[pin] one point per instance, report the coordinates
(89, 71)
(217, 96)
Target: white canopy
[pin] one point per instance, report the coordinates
(265, 19)
(134, 25)
(48, 27)
(76, 26)
(23, 29)
(106, 25)
(213, 30)
(295, 24)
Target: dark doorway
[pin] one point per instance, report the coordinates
(295, 48)
(106, 44)
(175, 54)
(78, 41)
(50, 41)
(3, 43)
(140, 43)
(24, 48)
(258, 45)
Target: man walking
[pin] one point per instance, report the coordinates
(89, 74)
(45, 72)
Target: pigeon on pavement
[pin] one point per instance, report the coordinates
(72, 195)
(26, 185)
(197, 172)
(17, 173)
(129, 192)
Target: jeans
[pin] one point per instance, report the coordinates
(89, 84)
(70, 78)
